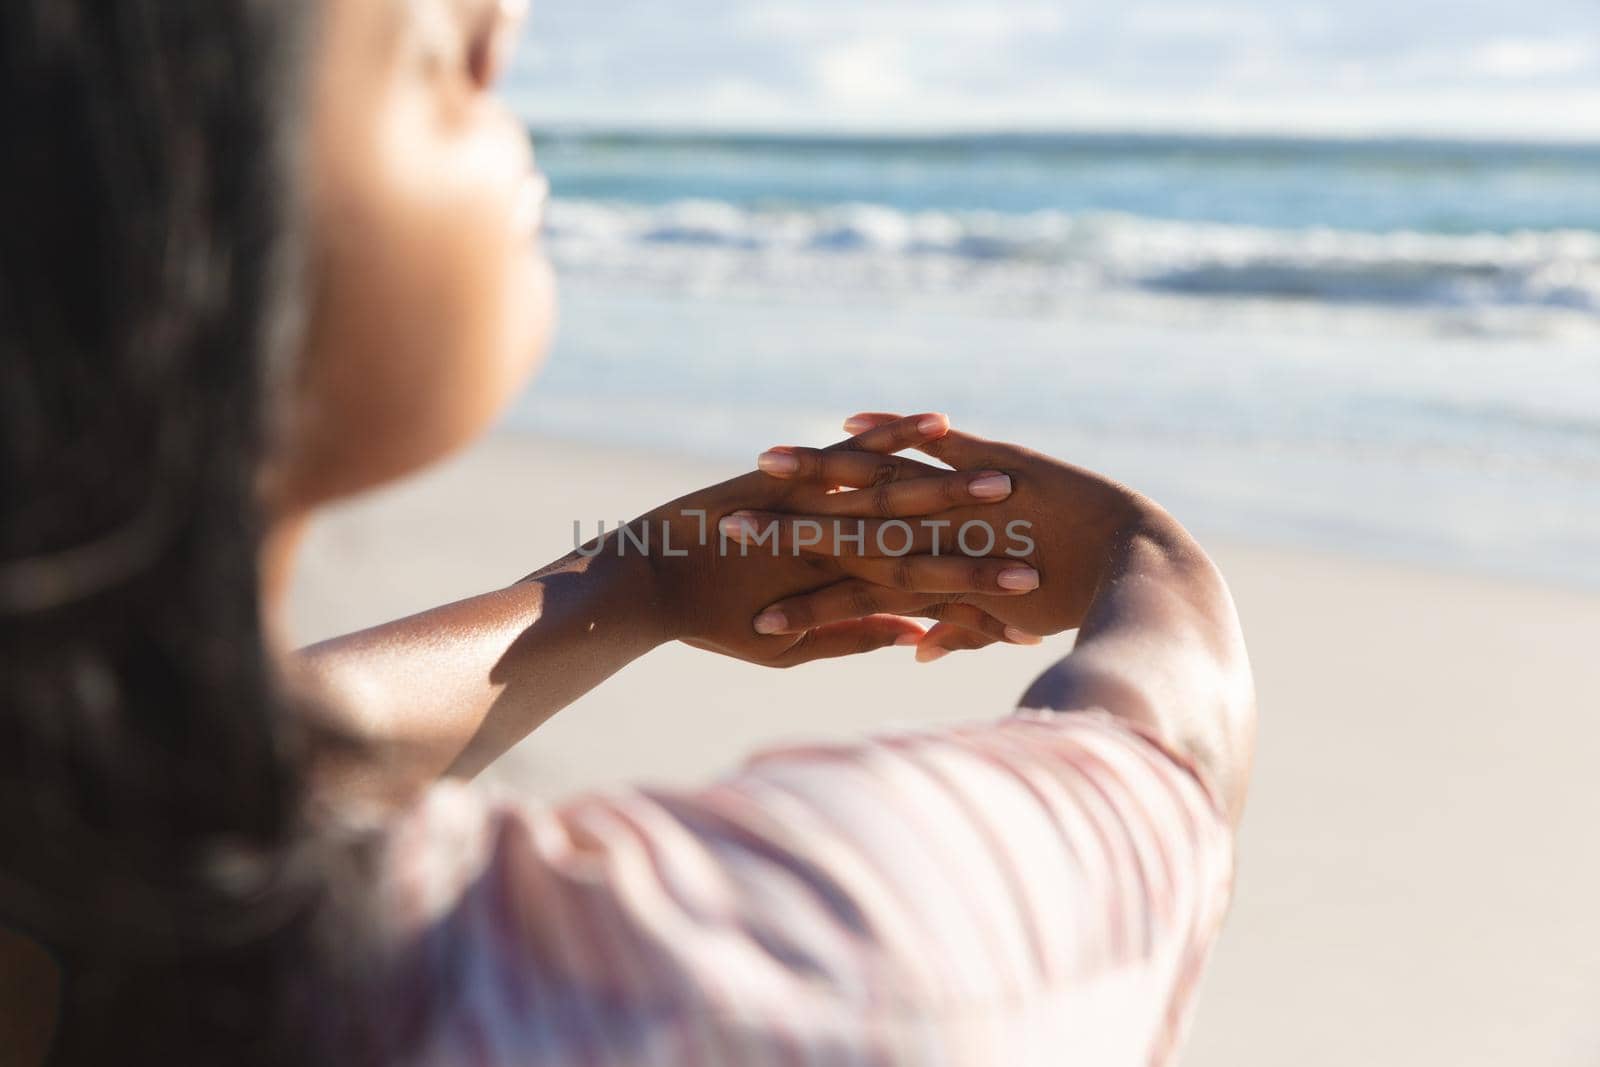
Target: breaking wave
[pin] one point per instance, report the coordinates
(703, 243)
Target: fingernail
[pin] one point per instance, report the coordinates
(857, 424)
(932, 425)
(1022, 637)
(1021, 579)
(990, 486)
(771, 622)
(736, 526)
(907, 639)
(778, 462)
(929, 653)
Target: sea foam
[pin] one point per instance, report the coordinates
(1039, 256)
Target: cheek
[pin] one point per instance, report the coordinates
(482, 286)
(433, 308)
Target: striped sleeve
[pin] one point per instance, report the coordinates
(1044, 889)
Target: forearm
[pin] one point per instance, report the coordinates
(446, 692)
(1161, 646)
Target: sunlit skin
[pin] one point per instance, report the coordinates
(430, 300)
(432, 303)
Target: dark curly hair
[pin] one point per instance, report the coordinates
(150, 827)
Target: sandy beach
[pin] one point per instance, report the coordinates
(1418, 867)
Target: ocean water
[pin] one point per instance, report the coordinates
(1380, 347)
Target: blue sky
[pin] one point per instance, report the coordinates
(1520, 68)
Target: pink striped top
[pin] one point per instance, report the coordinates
(1044, 889)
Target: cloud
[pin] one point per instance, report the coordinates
(931, 18)
(865, 72)
(1526, 58)
(1427, 66)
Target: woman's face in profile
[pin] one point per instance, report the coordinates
(430, 299)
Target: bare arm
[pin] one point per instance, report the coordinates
(447, 691)
(1160, 645)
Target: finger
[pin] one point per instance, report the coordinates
(884, 486)
(945, 638)
(850, 639)
(917, 496)
(966, 617)
(833, 536)
(945, 574)
(851, 598)
(965, 451)
(948, 636)
(897, 435)
(961, 450)
(974, 618)
(858, 470)
(868, 420)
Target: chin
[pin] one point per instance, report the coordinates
(509, 369)
(536, 317)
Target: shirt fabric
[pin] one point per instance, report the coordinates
(1039, 890)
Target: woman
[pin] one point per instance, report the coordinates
(259, 256)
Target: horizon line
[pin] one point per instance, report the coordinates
(803, 132)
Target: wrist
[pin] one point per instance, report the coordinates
(1150, 525)
(641, 577)
(663, 575)
(639, 573)
(624, 588)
